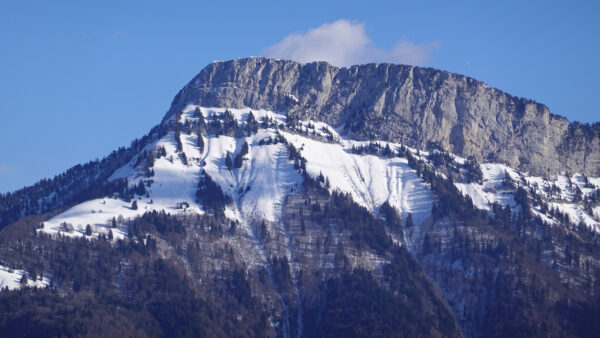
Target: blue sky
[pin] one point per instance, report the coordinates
(78, 80)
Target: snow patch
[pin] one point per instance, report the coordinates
(492, 189)
(370, 180)
(11, 279)
(265, 178)
(173, 183)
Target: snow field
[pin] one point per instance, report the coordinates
(370, 180)
(11, 279)
(260, 186)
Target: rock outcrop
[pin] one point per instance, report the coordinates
(417, 106)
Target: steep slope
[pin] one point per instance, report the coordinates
(276, 216)
(405, 104)
(78, 184)
(507, 263)
(262, 181)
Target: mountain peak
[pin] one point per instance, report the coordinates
(412, 105)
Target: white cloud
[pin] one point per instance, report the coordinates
(345, 43)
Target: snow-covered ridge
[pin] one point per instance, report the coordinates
(266, 176)
(173, 184)
(566, 194)
(259, 186)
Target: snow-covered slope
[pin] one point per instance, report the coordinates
(493, 189)
(267, 176)
(370, 180)
(173, 183)
(259, 187)
(262, 182)
(566, 194)
(11, 279)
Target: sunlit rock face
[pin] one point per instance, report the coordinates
(410, 105)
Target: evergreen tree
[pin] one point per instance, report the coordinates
(474, 170)
(239, 158)
(161, 152)
(88, 230)
(197, 112)
(321, 178)
(266, 122)
(134, 205)
(578, 196)
(387, 151)
(229, 123)
(409, 221)
(184, 159)
(178, 137)
(210, 194)
(251, 124)
(140, 189)
(228, 161)
(201, 124)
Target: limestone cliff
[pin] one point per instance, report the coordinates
(413, 105)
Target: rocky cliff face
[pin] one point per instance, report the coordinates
(413, 105)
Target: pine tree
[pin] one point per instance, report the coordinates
(229, 123)
(161, 152)
(228, 161)
(201, 124)
(88, 230)
(239, 158)
(23, 280)
(474, 170)
(387, 151)
(188, 127)
(266, 122)
(197, 112)
(409, 221)
(110, 235)
(251, 124)
(178, 137)
(578, 196)
(140, 189)
(134, 205)
(184, 159)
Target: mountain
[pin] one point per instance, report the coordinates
(281, 199)
(411, 105)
